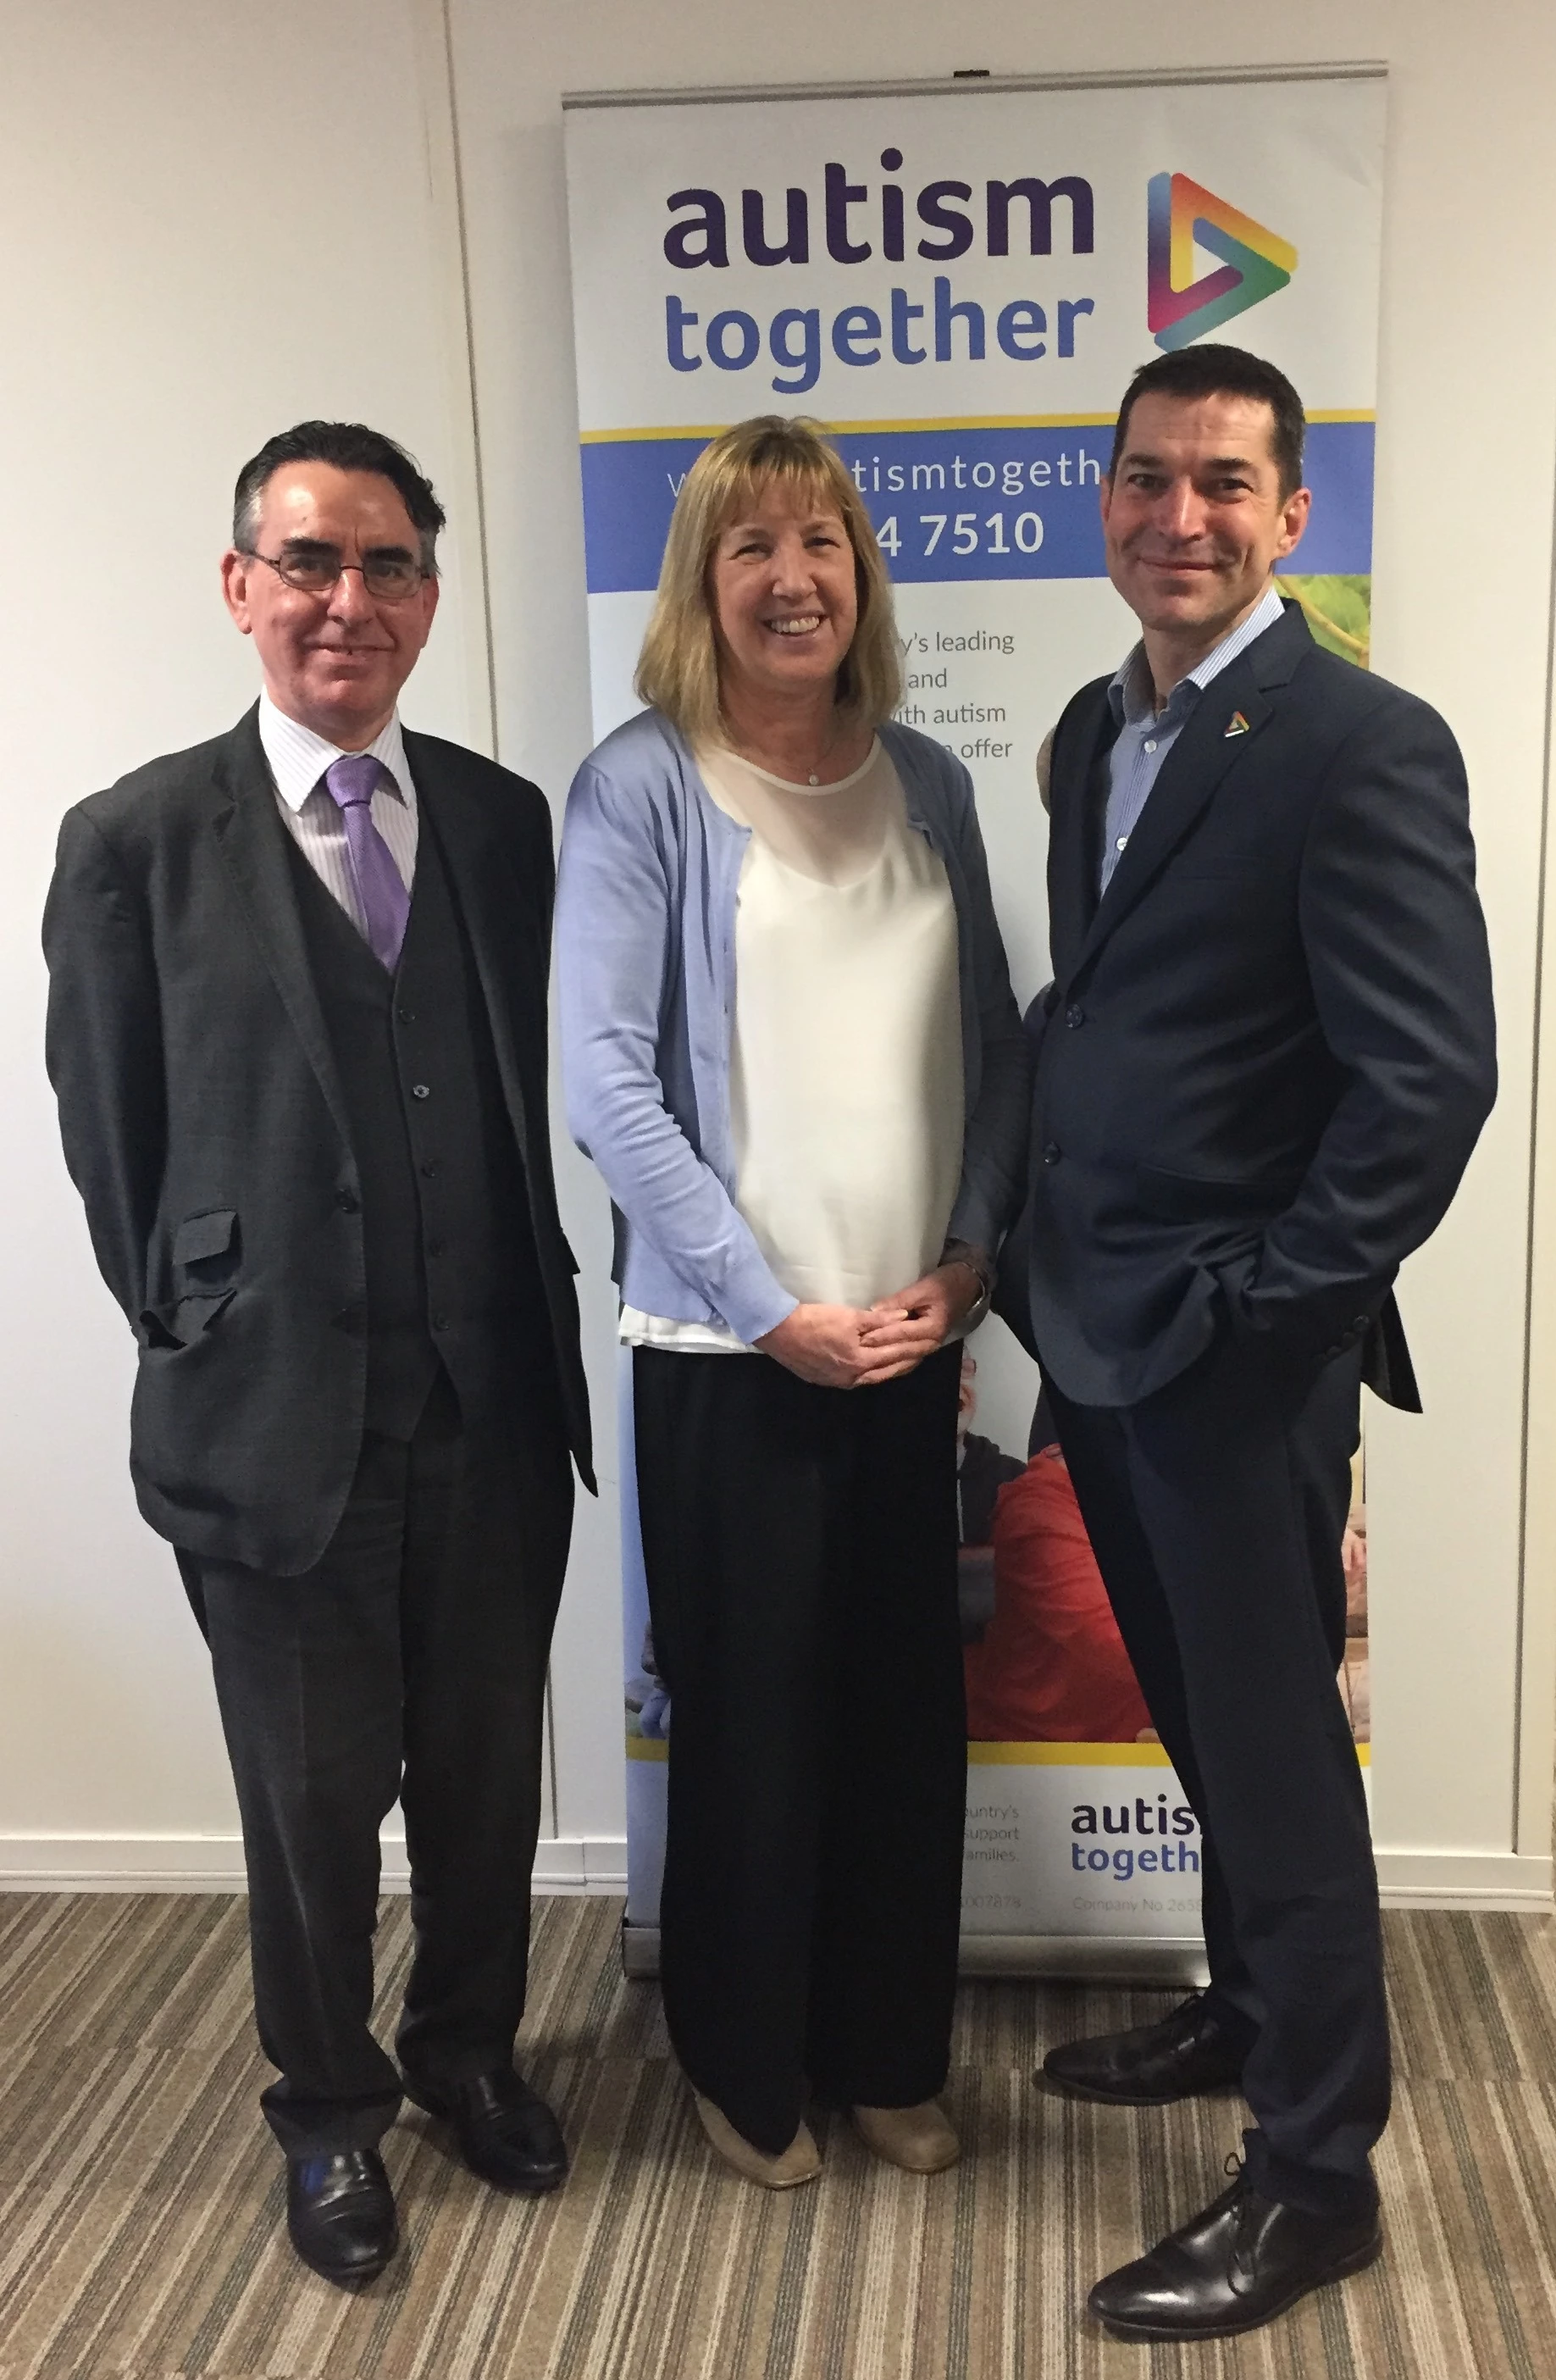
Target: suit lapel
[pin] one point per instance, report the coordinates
(252, 841)
(1190, 776)
(491, 904)
(1223, 723)
(1072, 857)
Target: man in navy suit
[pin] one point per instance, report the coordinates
(1267, 1054)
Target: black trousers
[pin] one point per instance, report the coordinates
(799, 1545)
(409, 1661)
(1216, 1510)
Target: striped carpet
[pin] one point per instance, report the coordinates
(140, 2198)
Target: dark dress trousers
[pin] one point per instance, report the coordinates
(1263, 1063)
(801, 1547)
(323, 1197)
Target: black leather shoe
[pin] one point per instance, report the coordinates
(1241, 2263)
(506, 2131)
(339, 2212)
(1180, 2054)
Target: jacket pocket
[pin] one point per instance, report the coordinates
(201, 1237)
(1223, 871)
(1204, 1198)
(180, 1325)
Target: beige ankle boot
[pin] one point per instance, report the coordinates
(800, 2161)
(918, 2138)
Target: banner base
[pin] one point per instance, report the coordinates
(1174, 1963)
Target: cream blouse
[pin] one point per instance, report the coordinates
(846, 1067)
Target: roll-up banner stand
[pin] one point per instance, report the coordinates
(959, 279)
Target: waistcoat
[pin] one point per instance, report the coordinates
(449, 1251)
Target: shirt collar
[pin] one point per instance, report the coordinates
(298, 757)
(1130, 694)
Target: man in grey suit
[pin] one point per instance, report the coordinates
(297, 1031)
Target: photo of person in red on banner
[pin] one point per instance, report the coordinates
(1049, 1666)
(1043, 1658)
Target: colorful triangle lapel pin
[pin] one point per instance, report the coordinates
(1236, 725)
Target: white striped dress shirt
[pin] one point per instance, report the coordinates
(297, 761)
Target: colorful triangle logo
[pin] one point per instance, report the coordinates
(1256, 260)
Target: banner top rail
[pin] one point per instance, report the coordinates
(971, 85)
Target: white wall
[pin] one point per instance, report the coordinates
(217, 221)
(234, 218)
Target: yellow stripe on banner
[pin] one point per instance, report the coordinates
(875, 429)
(880, 429)
(686, 429)
(983, 422)
(1068, 1756)
(1016, 1756)
(1087, 1755)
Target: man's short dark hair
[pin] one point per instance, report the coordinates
(350, 446)
(1224, 371)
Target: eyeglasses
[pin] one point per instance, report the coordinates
(390, 577)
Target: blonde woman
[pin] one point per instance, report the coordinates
(792, 1050)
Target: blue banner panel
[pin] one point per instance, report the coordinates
(960, 503)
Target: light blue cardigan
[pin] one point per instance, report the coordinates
(646, 946)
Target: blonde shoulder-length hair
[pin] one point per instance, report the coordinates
(678, 668)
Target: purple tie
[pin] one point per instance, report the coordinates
(385, 901)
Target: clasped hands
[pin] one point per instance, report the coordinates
(854, 1347)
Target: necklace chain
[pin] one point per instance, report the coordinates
(814, 776)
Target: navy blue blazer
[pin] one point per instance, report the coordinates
(1268, 1049)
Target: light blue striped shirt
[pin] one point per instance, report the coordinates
(1146, 736)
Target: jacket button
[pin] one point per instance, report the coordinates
(436, 1247)
(407, 1016)
(440, 1322)
(348, 1202)
(1075, 1016)
(430, 1167)
(1362, 1322)
(1050, 1153)
(420, 1091)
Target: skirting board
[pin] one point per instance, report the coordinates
(64, 1863)
(1516, 1880)
(214, 1864)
